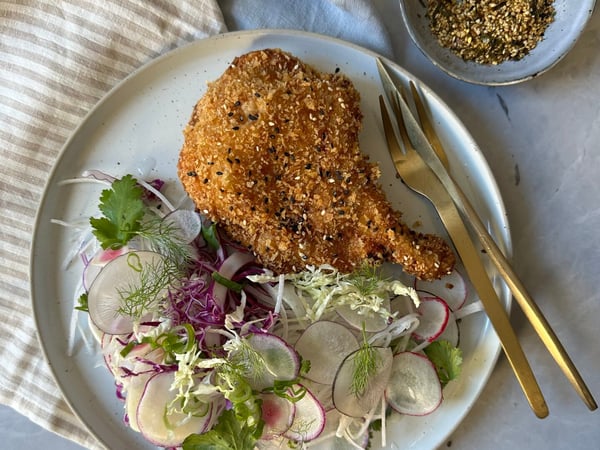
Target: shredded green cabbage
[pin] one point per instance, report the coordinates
(324, 289)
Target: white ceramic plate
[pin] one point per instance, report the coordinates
(138, 127)
(569, 22)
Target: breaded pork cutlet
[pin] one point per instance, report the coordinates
(271, 153)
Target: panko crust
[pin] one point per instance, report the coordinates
(271, 152)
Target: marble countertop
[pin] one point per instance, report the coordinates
(541, 140)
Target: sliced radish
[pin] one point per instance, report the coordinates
(309, 419)
(322, 393)
(277, 414)
(415, 388)
(121, 274)
(184, 223)
(325, 344)
(433, 318)
(280, 360)
(135, 388)
(366, 319)
(452, 288)
(355, 404)
(95, 265)
(402, 305)
(153, 420)
(452, 331)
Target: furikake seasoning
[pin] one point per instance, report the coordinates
(490, 31)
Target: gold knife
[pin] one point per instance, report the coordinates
(419, 177)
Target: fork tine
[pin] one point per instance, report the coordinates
(427, 126)
(400, 120)
(393, 146)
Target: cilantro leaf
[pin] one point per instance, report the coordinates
(446, 358)
(228, 434)
(83, 303)
(123, 209)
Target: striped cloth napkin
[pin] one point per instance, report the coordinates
(57, 60)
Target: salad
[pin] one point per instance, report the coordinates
(209, 349)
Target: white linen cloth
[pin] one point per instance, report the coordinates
(57, 60)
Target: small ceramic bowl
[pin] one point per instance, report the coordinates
(570, 19)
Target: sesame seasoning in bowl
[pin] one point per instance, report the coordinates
(495, 42)
(490, 31)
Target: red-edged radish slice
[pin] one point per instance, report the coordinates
(309, 419)
(325, 344)
(122, 274)
(277, 414)
(95, 265)
(280, 360)
(355, 404)
(135, 389)
(433, 318)
(322, 393)
(452, 288)
(414, 388)
(153, 420)
(452, 332)
(365, 318)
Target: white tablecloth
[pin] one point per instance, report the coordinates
(541, 140)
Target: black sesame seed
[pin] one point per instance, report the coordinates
(205, 180)
(308, 166)
(238, 103)
(252, 116)
(219, 172)
(192, 173)
(236, 128)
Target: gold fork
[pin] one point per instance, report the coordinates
(419, 177)
(531, 310)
